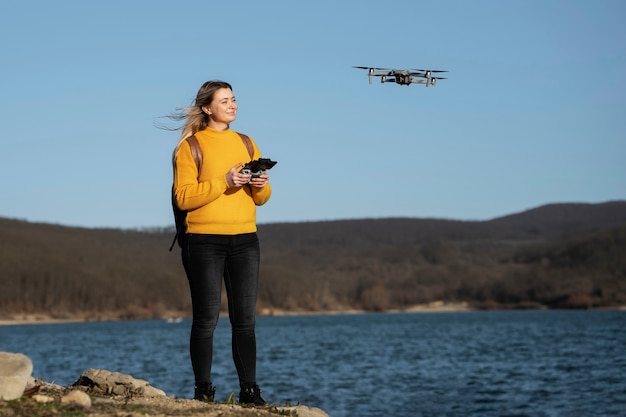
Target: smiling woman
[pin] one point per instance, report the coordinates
(220, 240)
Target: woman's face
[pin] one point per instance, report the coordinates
(223, 109)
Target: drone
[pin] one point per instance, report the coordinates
(403, 77)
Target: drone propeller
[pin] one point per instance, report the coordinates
(369, 69)
(388, 69)
(425, 70)
(373, 68)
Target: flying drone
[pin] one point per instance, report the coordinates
(403, 77)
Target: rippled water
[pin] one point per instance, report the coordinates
(530, 363)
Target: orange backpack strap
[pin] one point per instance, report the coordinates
(181, 215)
(248, 142)
(196, 152)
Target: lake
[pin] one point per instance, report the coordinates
(515, 363)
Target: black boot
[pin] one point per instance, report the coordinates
(252, 396)
(204, 391)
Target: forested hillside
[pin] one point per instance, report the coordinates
(555, 256)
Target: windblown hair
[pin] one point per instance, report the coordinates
(195, 118)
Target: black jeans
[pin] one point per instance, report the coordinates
(207, 260)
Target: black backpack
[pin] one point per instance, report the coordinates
(180, 216)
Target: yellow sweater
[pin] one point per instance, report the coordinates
(212, 207)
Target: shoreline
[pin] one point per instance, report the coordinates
(40, 318)
(434, 307)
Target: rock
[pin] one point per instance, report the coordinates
(100, 400)
(78, 398)
(15, 371)
(101, 381)
(304, 411)
(38, 384)
(42, 398)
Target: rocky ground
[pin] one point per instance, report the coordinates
(144, 407)
(42, 399)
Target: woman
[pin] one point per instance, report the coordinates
(221, 241)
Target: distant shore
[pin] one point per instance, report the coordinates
(433, 307)
(20, 319)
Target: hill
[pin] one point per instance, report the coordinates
(554, 256)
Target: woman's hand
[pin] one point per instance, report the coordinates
(260, 181)
(236, 179)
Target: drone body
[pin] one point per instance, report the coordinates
(403, 77)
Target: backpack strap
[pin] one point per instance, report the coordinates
(196, 152)
(248, 142)
(180, 215)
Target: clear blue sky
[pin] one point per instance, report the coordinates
(533, 110)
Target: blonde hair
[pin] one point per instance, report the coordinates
(195, 118)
